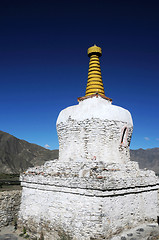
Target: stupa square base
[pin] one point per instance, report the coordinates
(70, 206)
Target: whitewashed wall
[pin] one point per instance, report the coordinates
(87, 199)
(86, 217)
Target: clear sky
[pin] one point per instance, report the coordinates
(44, 63)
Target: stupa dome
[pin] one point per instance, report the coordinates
(95, 107)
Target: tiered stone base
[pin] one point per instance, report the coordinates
(86, 200)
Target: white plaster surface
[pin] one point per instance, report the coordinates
(83, 217)
(87, 199)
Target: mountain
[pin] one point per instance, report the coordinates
(148, 158)
(17, 155)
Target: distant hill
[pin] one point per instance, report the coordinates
(17, 155)
(148, 158)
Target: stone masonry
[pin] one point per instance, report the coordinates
(9, 206)
(70, 137)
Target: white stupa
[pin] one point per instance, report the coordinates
(93, 191)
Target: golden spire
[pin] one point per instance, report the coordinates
(94, 82)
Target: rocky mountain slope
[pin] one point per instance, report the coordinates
(148, 158)
(17, 155)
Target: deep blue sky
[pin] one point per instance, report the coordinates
(44, 63)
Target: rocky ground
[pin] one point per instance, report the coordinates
(142, 232)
